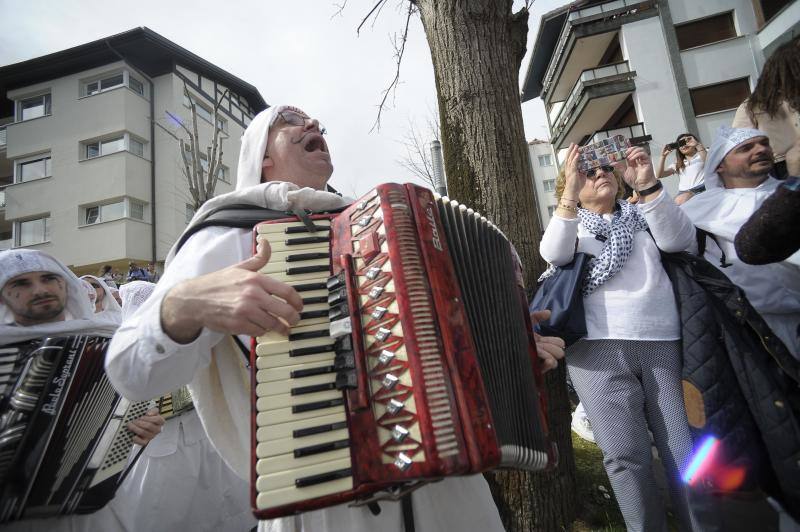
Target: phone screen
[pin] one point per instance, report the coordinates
(606, 152)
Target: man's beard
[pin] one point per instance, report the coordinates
(43, 314)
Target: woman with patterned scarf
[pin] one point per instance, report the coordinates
(627, 371)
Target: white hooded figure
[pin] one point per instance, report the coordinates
(772, 289)
(145, 361)
(106, 306)
(179, 482)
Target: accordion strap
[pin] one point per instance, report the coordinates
(408, 513)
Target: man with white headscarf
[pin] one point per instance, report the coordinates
(39, 296)
(179, 481)
(106, 305)
(210, 290)
(738, 180)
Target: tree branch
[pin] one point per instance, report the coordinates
(399, 51)
(371, 11)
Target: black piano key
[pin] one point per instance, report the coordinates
(317, 405)
(319, 429)
(310, 372)
(307, 269)
(313, 350)
(335, 282)
(308, 287)
(307, 240)
(314, 388)
(338, 312)
(314, 300)
(303, 229)
(322, 478)
(337, 296)
(344, 344)
(321, 448)
(345, 361)
(313, 314)
(346, 380)
(298, 257)
(323, 333)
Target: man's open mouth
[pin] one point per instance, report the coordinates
(315, 143)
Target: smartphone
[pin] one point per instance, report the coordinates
(676, 145)
(606, 152)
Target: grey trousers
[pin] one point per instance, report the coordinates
(626, 387)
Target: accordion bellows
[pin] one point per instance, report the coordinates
(414, 358)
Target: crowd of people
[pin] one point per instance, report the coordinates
(660, 336)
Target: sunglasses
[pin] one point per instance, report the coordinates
(593, 174)
(295, 119)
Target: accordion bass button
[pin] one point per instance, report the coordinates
(389, 381)
(394, 406)
(402, 462)
(376, 292)
(385, 357)
(399, 433)
(378, 312)
(382, 334)
(373, 273)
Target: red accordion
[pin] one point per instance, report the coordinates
(414, 358)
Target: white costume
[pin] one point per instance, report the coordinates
(772, 289)
(144, 362)
(111, 310)
(179, 481)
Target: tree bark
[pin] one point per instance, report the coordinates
(477, 48)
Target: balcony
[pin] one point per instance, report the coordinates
(594, 97)
(3, 138)
(584, 37)
(634, 132)
(2, 198)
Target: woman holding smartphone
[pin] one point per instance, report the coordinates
(627, 371)
(690, 156)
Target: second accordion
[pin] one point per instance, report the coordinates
(414, 358)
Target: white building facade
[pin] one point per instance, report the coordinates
(545, 172)
(86, 174)
(652, 69)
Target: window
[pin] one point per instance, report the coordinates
(116, 144)
(34, 107)
(112, 81)
(222, 171)
(189, 213)
(205, 113)
(705, 31)
(549, 185)
(33, 231)
(126, 207)
(550, 210)
(545, 160)
(33, 169)
(719, 97)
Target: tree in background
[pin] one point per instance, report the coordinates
(477, 47)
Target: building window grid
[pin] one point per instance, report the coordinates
(107, 212)
(113, 144)
(33, 169)
(549, 185)
(31, 232)
(34, 107)
(545, 160)
(110, 81)
(205, 113)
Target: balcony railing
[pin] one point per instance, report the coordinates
(612, 8)
(631, 132)
(3, 137)
(2, 199)
(590, 74)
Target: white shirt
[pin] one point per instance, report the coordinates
(638, 302)
(692, 173)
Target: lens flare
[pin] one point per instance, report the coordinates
(701, 461)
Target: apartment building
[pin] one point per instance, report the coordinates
(90, 164)
(545, 171)
(651, 69)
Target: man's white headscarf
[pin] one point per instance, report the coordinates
(719, 210)
(79, 312)
(250, 190)
(133, 294)
(90, 291)
(111, 310)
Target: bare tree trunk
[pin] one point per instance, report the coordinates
(477, 48)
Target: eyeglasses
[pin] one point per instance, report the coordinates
(296, 119)
(593, 174)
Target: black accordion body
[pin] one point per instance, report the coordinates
(63, 441)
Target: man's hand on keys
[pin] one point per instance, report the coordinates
(235, 300)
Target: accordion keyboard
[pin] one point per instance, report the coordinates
(302, 441)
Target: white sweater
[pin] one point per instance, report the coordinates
(638, 302)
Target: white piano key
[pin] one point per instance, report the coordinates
(279, 228)
(274, 430)
(284, 372)
(287, 462)
(283, 359)
(285, 400)
(281, 245)
(288, 445)
(275, 498)
(266, 389)
(281, 267)
(283, 415)
(285, 479)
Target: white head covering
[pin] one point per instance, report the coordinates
(79, 312)
(250, 190)
(133, 294)
(111, 311)
(722, 211)
(90, 290)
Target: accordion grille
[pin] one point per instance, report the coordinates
(484, 264)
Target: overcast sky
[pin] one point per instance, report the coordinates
(294, 51)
